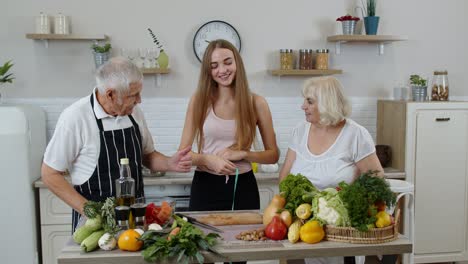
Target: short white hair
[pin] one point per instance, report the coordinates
(327, 92)
(117, 73)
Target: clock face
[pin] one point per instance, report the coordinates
(213, 30)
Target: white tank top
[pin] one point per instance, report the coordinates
(219, 134)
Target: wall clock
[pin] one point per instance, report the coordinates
(213, 30)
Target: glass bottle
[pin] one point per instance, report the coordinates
(122, 214)
(440, 86)
(286, 59)
(138, 211)
(305, 59)
(125, 185)
(321, 61)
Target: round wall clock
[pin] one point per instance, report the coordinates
(213, 30)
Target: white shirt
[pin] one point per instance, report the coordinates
(336, 164)
(75, 144)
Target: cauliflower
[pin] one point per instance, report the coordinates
(329, 208)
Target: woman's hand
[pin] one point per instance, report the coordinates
(232, 155)
(220, 165)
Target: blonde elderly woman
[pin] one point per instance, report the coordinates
(328, 147)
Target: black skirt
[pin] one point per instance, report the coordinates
(211, 192)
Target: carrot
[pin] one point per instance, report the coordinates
(173, 233)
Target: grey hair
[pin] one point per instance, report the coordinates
(332, 104)
(117, 73)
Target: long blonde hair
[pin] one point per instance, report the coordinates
(205, 96)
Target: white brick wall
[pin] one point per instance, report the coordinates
(165, 117)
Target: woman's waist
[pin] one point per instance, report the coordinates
(242, 165)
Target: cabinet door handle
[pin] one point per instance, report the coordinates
(442, 119)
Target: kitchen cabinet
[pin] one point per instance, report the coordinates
(297, 72)
(429, 141)
(56, 229)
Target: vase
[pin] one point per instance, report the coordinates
(371, 23)
(419, 93)
(163, 60)
(348, 27)
(100, 58)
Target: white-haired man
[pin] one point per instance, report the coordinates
(94, 133)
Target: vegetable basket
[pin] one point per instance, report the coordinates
(372, 236)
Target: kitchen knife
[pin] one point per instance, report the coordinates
(194, 221)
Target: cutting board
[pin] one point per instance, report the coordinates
(220, 219)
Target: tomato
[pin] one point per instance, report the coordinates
(128, 240)
(165, 212)
(276, 229)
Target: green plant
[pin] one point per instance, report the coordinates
(155, 40)
(98, 48)
(417, 80)
(370, 7)
(6, 77)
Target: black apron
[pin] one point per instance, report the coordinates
(115, 144)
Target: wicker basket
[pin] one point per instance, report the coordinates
(372, 236)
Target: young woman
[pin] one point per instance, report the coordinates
(222, 116)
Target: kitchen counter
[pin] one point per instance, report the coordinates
(245, 250)
(174, 178)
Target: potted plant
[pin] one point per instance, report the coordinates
(5, 76)
(348, 23)
(101, 53)
(163, 59)
(418, 87)
(371, 21)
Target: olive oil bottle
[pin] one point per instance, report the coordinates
(125, 185)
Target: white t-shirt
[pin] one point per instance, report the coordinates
(75, 144)
(336, 164)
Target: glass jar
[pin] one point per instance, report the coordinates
(286, 59)
(305, 59)
(321, 61)
(440, 86)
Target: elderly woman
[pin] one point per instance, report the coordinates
(328, 147)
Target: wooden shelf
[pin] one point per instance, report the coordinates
(65, 37)
(380, 39)
(155, 71)
(304, 72)
(365, 38)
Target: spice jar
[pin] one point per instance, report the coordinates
(305, 59)
(440, 86)
(321, 61)
(286, 59)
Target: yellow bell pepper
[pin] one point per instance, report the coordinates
(312, 232)
(383, 219)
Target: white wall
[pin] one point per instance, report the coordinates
(436, 31)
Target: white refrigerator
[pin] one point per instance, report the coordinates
(22, 144)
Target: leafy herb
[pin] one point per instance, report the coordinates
(293, 187)
(100, 48)
(108, 216)
(6, 77)
(417, 80)
(155, 40)
(360, 198)
(185, 246)
(92, 209)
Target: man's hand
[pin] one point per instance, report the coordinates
(181, 161)
(232, 155)
(220, 165)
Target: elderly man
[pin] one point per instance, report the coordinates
(94, 133)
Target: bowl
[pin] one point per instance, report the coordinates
(149, 173)
(159, 210)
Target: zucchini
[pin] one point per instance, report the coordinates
(94, 223)
(91, 242)
(81, 233)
